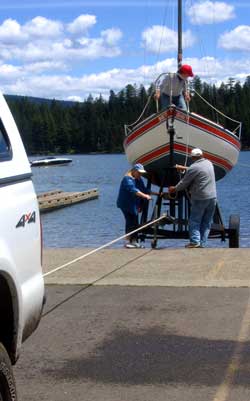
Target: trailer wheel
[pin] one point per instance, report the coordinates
(234, 231)
(153, 245)
(7, 381)
(155, 227)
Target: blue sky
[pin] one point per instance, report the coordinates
(69, 49)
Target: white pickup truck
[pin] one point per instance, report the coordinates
(21, 280)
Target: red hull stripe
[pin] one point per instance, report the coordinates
(140, 131)
(215, 131)
(164, 151)
(192, 121)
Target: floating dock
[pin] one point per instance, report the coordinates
(53, 200)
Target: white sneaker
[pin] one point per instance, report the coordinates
(136, 244)
(192, 245)
(130, 245)
(133, 244)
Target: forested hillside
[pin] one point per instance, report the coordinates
(97, 125)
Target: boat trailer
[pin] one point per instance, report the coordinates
(177, 209)
(175, 224)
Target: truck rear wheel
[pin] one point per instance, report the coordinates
(7, 382)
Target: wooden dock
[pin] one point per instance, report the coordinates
(53, 200)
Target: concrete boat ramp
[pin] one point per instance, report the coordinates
(146, 267)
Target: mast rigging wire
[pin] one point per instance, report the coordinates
(220, 112)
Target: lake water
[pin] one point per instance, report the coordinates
(96, 222)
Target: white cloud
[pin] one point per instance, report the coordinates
(11, 32)
(209, 12)
(237, 40)
(111, 36)
(63, 51)
(40, 27)
(37, 68)
(17, 80)
(81, 24)
(160, 39)
(74, 98)
(92, 49)
(8, 73)
(45, 40)
(104, 46)
(38, 58)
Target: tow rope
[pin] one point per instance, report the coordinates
(164, 216)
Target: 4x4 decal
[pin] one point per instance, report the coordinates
(26, 219)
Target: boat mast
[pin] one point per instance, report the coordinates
(179, 56)
(170, 122)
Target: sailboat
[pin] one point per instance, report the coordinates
(149, 142)
(167, 138)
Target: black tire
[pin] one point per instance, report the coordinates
(155, 228)
(234, 231)
(153, 246)
(7, 382)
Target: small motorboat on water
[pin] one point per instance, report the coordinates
(50, 161)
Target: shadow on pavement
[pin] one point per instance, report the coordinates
(156, 357)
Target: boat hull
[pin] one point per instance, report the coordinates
(149, 143)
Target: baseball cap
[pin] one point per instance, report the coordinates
(186, 69)
(196, 152)
(139, 167)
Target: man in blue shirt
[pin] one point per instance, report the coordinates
(131, 193)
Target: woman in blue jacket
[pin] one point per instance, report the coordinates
(132, 191)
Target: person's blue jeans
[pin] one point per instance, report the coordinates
(201, 218)
(131, 224)
(177, 100)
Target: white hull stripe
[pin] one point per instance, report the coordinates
(164, 151)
